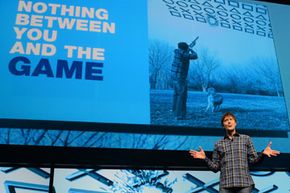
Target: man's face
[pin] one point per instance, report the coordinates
(229, 123)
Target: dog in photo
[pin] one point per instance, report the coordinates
(214, 100)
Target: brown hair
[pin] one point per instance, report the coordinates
(227, 114)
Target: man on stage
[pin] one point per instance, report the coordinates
(232, 156)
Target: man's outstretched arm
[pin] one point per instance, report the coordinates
(270, 152)
(213, 164)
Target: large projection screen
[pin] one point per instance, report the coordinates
(86, 63)
(108, 67)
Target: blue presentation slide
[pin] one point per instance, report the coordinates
(74, 61)
(149, 62)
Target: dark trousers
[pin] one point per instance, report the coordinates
(236, 190)
(179, 98)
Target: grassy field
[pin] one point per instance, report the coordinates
(252, 111)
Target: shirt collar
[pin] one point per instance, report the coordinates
(235, 135)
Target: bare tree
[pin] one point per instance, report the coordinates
(6, 136)
(268, 70)
(71, 137)
(95, 139)
(139, 140)
(23, 136)
(160, 59)
(54, 136)
(258, 76)
(160, 142)
(39, 137)
(26, 135)
(201, 71)
(239, 79)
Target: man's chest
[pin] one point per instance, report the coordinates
(232, 149)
